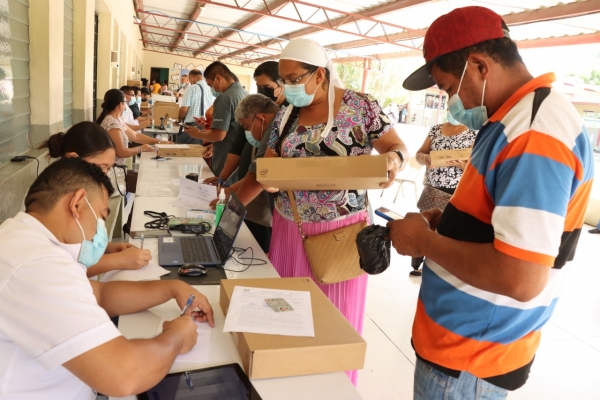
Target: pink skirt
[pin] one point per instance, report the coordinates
(289, 259)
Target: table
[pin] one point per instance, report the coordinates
(144, 324)
(171, 132)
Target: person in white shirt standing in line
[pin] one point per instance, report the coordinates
(184, 84)
(56, 337)
(196, 100)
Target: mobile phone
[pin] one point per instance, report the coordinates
(387, 214)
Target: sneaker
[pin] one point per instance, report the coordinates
(595, 230)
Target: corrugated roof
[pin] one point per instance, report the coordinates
(358, 27)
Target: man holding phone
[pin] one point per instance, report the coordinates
(196, 100)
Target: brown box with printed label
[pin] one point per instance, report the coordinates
(180, 150)
(440, 158)
(164, 109)
(336, 345)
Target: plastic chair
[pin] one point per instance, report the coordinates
(410, 175)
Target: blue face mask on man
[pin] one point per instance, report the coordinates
(296, 94)
(213, 90)
(91, 252)
(473, 118)
(250, 138)
(132, 101)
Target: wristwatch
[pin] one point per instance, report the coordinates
(401, 157)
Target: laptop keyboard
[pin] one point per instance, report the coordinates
(195, 250)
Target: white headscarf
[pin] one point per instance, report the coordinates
(310, 52)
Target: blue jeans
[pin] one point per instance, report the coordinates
(431, 384)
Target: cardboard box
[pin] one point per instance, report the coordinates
(174, 150)
(161, 109)
(134, 82)
(440, 158)
(322, 173)
(336, 345)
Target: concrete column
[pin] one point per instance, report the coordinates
(116, 48)
(105, 70)
(83, 60)
(46, 47)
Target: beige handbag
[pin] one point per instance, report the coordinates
(333, 255)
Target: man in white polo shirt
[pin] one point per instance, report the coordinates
(56, 337)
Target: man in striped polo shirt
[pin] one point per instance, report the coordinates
(495, 257)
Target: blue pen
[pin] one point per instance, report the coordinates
(142, 240)
(188, 304)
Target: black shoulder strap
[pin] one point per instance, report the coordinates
(538, 98)
(201, 99)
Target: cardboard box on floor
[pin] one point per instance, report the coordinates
(322, 173)
(170, 150)
(161, 109)
(440, 158)
(336, 345)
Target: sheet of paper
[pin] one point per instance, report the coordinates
(200, 353)
(175, 182)
(172, 146)
(150, 271)
(196, 194)
(249, 312)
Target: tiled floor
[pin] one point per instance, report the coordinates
(567, 364)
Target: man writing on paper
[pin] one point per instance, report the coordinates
(495, 257)
(56, 337)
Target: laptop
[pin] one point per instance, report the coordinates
(209, 251)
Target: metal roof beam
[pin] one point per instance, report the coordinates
(369, 12)
(139, 5)
(273, 8)
(189, 24)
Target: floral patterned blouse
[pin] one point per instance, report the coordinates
(108, 123)
(359, 122)
(447, 177)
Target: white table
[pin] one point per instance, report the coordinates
(170, 132)
(223, 350)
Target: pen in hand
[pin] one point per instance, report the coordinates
(188, 304)
(142, 240)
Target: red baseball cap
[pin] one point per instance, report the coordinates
(460, 28)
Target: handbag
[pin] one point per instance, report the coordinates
(432, 197)
(333, 256)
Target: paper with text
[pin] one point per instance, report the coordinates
(147, 272)
(200, 353)
(196, 194)
(249, 312)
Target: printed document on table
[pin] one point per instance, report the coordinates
(200, 353)
(150, 271)
(249, 312)
(196, 194)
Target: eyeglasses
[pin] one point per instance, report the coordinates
(295, 81)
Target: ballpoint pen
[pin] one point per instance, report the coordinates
(142, 240)
(188, 304)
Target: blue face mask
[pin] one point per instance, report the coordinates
(250, 137)
(91, 252)
(132, 101)
(296, 94)
(138, 101)
(473, 118)
(213, 90)
(451, 119)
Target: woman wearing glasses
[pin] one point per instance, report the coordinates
(325, 120)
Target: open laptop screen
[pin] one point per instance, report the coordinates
(229, 226)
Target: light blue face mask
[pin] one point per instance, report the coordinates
(138, 100)
(250, 138)
(451, 119)
(132, 101)
(214, 91)
(296, 94)
(473, 118)
(91, 252)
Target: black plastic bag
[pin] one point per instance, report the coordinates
(374, 249)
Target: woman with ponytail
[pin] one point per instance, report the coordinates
(113, 107)
(90, 142)
(325, 120)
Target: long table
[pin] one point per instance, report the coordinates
(156, 192)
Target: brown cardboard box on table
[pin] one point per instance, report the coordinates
(336, 345)
(170, 150)
(133, 82)
(440, 158)
(162, 109)
(322, 173)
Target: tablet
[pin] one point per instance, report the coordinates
(225, 382)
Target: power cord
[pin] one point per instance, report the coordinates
(25, 158)
(161, 221)
(240, 260)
